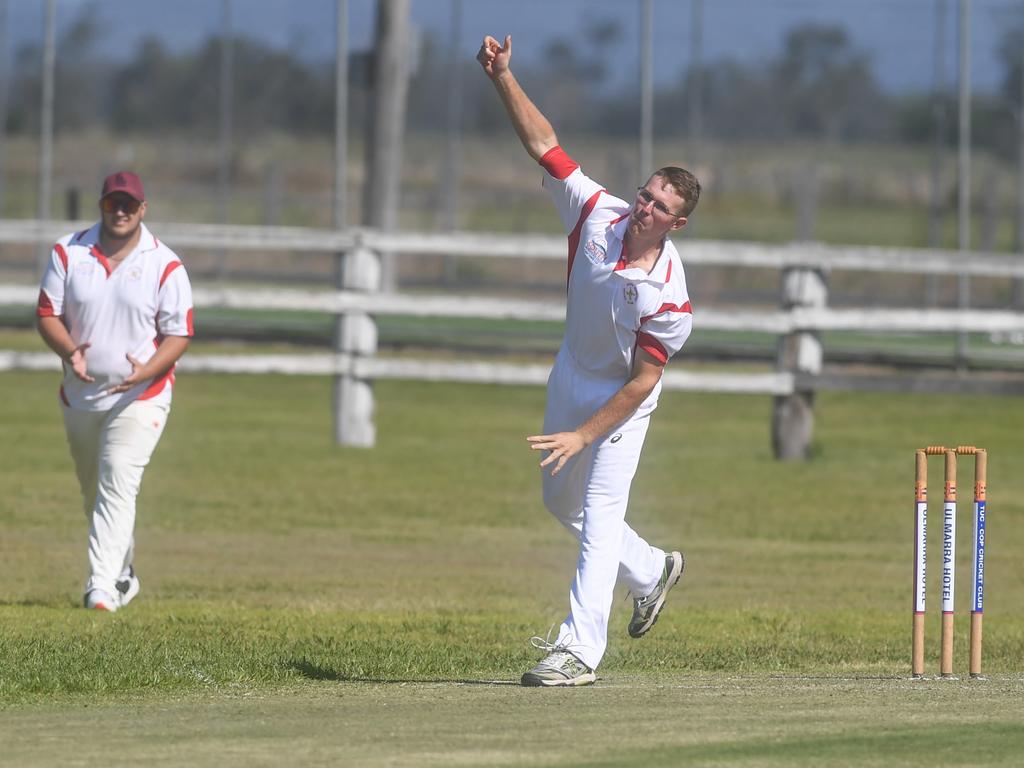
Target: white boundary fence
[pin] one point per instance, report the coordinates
(357, 298)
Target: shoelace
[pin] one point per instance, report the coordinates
(545, 644)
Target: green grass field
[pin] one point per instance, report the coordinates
(311, 605)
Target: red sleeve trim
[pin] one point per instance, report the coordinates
(683, 309)
(574, 236)
(44, 307)
(651, 346)
(556, 162)
(167, 272)
(189, 322)
(62, 255)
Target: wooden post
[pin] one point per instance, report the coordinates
(920, 561)
(978, 577)
(800, 353)
(355, 336)
(948, 565)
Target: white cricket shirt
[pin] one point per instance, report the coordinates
(612, 308)
(125, 311)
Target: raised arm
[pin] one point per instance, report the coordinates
(533, 128)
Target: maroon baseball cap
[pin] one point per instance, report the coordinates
(124, 181)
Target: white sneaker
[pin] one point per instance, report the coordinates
(98, 600)
(128, 586)
(560, 667)
(647, 609)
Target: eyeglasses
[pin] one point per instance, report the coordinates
(647, 198)
(113, 203)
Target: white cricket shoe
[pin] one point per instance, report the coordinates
(98, 600)
(127, 587)
(560, 667)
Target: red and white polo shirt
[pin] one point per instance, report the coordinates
(612, 308)
(123, 311)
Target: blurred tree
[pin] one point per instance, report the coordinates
(81, 89)
(1011, 56)
(739, 102)
(825, 87)
(82, 93)
(274, 90)
(575, 81)
(24, 90)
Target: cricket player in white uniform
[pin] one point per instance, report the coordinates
(627, 313)
(116, 306)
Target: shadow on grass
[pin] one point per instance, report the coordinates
(316, 672)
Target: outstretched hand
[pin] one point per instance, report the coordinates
(494, 57)
(129, 381)
(77, 362)
(562, 446)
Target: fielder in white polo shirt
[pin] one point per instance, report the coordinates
(116, 305)
(627, 313)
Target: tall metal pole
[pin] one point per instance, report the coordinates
(387, 125)
(696, 100)
(339, 216)
(1020, 157)
(4, 81)
(938, 148)
(227, 80)
(46, 123)
(341, 385)
(453, 135)
(1018, 284)
(964, 171)
(647, 88)
(453, 121)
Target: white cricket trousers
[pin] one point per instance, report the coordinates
(589, 497)
(111, 450)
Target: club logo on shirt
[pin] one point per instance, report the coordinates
(135, 273)
(595, 251)
(630, 292)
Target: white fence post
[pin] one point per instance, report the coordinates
(799, 352)
(355, 337)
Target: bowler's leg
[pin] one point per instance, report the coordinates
(607, 544)
(130, 436)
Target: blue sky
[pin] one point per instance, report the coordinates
(898, 35)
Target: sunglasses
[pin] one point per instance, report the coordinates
(113, 203)
(647, 198)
